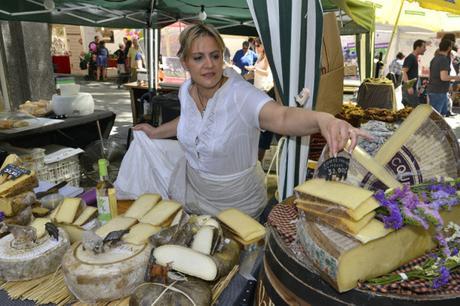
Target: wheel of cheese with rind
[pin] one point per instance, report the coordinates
(108, 276)
(19, 264)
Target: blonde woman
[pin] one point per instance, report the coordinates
(213, 166)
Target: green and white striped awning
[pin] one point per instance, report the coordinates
(292, 33)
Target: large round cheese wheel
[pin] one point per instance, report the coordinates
(108, 276)
(18, 264)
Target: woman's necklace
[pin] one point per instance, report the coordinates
(202, 104)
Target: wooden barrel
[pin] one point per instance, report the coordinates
(287, 281)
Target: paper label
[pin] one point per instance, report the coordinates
(103, 208)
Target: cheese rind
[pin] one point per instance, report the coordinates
(12, 205)
(105, 277)
(139, 233)
(142, 205)
(241, 224)
(161, 213)
(115, 224)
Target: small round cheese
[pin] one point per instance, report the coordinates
(108, 276)
(28, 263)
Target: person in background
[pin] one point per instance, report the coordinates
(438, 86)
(92, 46)
(121, 58)
(128, 43)
(135, 58)
(244, 57)
(215, 159)
(453, 71)
(121, 63)
(396, 68)
(252, 44)
(102, 59)
(263, 80)
(410, 73)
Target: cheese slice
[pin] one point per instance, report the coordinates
(68, 210)
(328, 207)
(372, 231)
(408, 128)
(115, 224)
(39, 225)
(344, 224)
(161, 213)
(346, 195)
(54, 212)
(142, 205)
(23, 183)
(241, 224)
(84, 217)
(140, 233)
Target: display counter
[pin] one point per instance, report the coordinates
(71, 132)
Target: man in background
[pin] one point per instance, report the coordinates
(410, 74)
(244, 57)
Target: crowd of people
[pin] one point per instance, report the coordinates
(129, 57)
(443, 75)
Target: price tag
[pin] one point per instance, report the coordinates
(335, 168)
(14, 172)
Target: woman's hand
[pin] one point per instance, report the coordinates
(250, 68)
(146, 128)
(337, 133)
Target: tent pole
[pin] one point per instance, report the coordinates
(395, 29)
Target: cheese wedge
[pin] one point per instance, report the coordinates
(53, 214)
(86, 215)
(116, 224)
(161, 213)
(346, 195)
(241, 224)
(343, 261)
(23, 183)
(344, 224)
(142, 205)
(140, 233)
(39, 225)
(372, 231)
(407, 129)
(68, 210)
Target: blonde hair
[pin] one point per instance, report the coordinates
(190, 34)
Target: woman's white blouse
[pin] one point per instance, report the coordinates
(225, 140)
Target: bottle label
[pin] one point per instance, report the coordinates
(103, 208)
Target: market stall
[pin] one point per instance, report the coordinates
(336, 237)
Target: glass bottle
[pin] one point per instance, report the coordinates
(105, 194)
